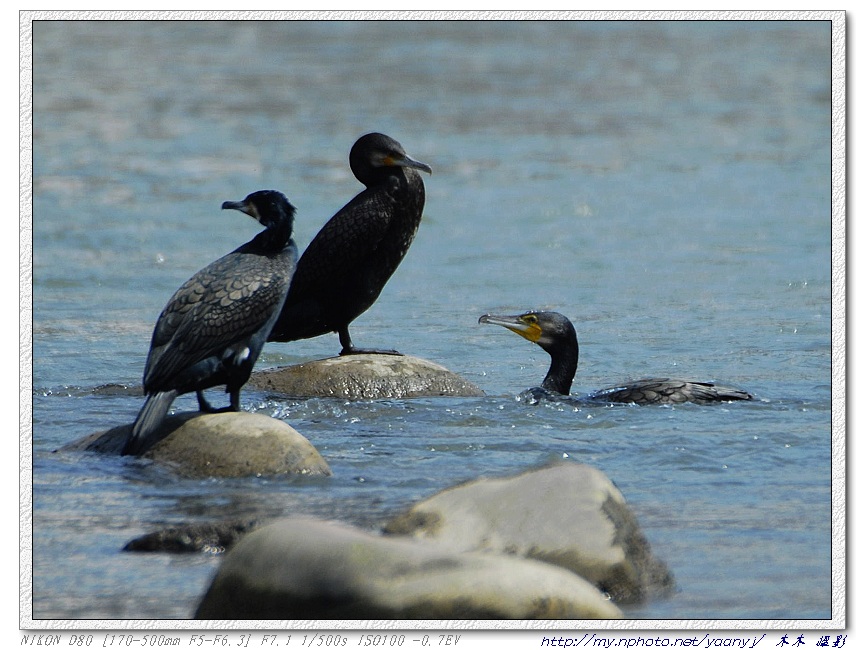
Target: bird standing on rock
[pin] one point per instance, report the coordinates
(345, 267)
(556, 335)
(214, 326)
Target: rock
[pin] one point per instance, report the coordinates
(111, 441)
(305, 569)
(221, 444)
(365, 376)
(193, 538)
(567, 514)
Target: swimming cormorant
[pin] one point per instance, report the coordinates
(346, 265)
(556, 335)
(213, 328)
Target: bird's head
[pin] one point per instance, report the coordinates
(549, 329)
(269, 207)
(376, 151)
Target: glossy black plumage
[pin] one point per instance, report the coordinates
(556, 335)
(343, 270)
(213, 328)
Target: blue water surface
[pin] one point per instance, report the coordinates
(666, 185)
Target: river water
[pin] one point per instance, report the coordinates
(666, 185)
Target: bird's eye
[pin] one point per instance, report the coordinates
(530, 319)
(381, 159)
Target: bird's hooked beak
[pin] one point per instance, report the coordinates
(415, 164)
(403, 160)
(243, 206)
(526, 325)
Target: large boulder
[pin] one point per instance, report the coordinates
(567, 514)
(221, 444)
(365, 376)
(305, 569)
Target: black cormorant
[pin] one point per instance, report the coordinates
(556, 335)
(346, 265)
(213, 328)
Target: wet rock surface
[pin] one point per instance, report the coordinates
(306, 569)
(193, 538)
(220, 445)
(365, 376)
(567, 514)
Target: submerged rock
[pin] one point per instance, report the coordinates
(305, 569)
(568, 514)
(365, 376)
(192, 538)
(221, 444)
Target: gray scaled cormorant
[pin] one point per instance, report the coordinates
(346, 265)
(213, 328)
(556, 335)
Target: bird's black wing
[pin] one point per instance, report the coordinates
(668, 391)
(223, 304)
(344, 243)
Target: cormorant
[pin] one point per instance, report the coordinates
(556, 335)
(346, 265)
(213, 328)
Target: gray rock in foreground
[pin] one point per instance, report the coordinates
(365, 376)
(568, 514)
(221, 445)
(313, 570)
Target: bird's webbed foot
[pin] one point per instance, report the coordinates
(348, 347)
(353, 350)
(224, 409)
(205, 407)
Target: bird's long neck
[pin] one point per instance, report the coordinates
(563, 367)
(273, 239)
(374, 177)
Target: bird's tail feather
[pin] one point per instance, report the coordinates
(149, 418)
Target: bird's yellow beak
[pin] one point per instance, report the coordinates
(526, 325)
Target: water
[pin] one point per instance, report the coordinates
(665, 185)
